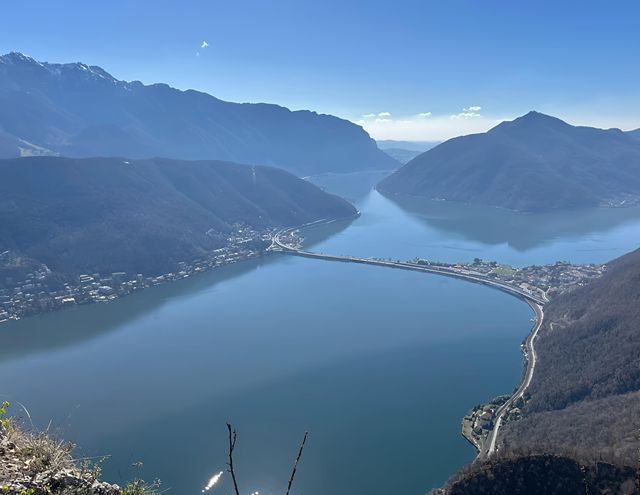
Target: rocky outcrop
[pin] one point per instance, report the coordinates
(37, 464)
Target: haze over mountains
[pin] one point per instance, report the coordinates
(405, 151)
(533, 163)
(80, 111)
(635, 134)
(144, 216)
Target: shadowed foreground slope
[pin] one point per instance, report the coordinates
(545, 475)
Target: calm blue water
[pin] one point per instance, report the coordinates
(405, 228)
(378, 365)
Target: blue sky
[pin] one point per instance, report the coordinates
(463, 65)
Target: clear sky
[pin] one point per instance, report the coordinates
(418, 70)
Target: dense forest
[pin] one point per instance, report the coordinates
(585, 393)
(580, 428)
(542, 474)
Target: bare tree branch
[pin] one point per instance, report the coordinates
(295, 464)
(232, 445)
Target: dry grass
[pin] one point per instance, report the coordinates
(34, 463)
(45, 452)
(28, 454)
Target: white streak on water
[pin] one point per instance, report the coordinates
(213, 481)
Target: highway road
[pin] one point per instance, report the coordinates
(536, 303)
(438, 270)
(489, 446)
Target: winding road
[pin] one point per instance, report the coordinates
(536, 303)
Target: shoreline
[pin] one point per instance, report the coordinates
(139, 284)
(622, 204)
(32, 297)
(488, 445)
(92, 289)
(531, 358)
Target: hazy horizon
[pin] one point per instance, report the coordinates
(417, 72)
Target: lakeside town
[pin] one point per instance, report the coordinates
(545, 281)
(478, 422)
(33, 294)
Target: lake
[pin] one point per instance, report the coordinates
(378, 365)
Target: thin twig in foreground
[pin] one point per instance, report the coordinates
(295, 465)
(232, 445)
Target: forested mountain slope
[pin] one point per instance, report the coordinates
(82, 111)
(534, 163)
(580, 424)
(144, 216)
(585, 393)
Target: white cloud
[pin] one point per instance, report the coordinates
(468, 113)
(434, 128)
(440, 127)
(383, 115)
(465, 115)
(425, 126)
(204, 45)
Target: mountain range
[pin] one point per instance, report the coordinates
(79, 110)
(143, 216)
(533, 163)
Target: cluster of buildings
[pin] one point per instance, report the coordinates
(478, 422)
(292, 238)
(545, 281)
(41, 291)
(550, 279)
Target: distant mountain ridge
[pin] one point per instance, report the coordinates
(80, 110)
(143, 216)
(419, 146)
(634, 134)
(533, 163)
(405, 151)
